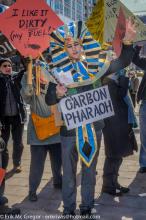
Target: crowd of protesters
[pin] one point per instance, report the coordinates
(43, 135)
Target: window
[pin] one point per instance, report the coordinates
(48, 2)
(73, 11)
(59, 6)
(67, 8)
(79, 14)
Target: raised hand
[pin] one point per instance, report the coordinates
(60, 90)
(130, 30)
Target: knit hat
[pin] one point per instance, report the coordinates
(2, 60)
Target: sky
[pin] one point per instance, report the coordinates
(135, 6)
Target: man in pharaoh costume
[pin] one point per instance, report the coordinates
(79, 62)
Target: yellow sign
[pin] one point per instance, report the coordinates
(103, 20)
(95, 23)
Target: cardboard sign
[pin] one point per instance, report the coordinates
(86, 107)
(119, 33)
(27, 24)
(6, 49)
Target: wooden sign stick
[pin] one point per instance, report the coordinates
(29, 72)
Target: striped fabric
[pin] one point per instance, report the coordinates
(3, 8)
(94, 58)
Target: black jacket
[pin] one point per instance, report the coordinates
(140, 62)
(15, 83)
(119, 139)
(122, 61)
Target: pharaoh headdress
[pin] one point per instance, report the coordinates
(88, 68)
(93, 56)
(3, 8)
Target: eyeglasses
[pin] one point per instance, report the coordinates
(6, 66)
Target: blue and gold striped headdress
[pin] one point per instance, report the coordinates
(78, 31)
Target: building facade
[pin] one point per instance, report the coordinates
(7, 2)
(72, 10)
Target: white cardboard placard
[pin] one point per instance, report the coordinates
(86, 107)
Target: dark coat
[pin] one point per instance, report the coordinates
(15, 83)
(119, 138)
(141, 63)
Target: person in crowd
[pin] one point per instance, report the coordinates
(12, 110)
(119, 138)
(40, 137)
(75, 54)
(141, 97)
(4, 209)
(134, 84)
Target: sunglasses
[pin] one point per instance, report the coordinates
(6, 66)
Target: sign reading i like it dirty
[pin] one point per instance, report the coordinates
(27, 24)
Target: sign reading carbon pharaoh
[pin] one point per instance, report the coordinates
(28, 24)
(86, 107)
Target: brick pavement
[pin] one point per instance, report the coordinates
(131, 206)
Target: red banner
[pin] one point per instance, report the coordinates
(27, 24)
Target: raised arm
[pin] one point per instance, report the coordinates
(122, 61)
(51, 97)
(137, 60)
(27, 91)
(54, 93)
(127, 52)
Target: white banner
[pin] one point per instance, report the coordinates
(86, 107)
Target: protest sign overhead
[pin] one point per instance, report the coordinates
(103, 21)
(86, 107)
(6, 49)
(28, 24)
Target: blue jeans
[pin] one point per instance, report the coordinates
(38, 157)
(142, 119)
(88, 176)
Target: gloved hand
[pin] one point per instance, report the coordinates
(27, 60)
(24, 60)
(2, 144)
(138, 48)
